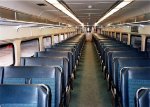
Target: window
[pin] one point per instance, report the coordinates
(47, 42)
(118, 36)
(71, 34)
(61, 37)
(124, 38)
(65, 36)
(112, 35)
(28, 48)
(136, 41)
(56, 39)
(6, 54)
(98, 30)
(147, 44)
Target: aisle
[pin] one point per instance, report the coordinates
(90, 89)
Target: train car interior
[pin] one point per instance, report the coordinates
(75, 53)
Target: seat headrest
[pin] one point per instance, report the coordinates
(30, 71)
(51, 61)
(51, 53)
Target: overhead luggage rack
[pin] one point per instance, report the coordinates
(8, 22)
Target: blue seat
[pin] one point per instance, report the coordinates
(120, 63)
(73, 48)
(58, 54)
(143, 97)
(71, 52)
(108, 49)
(76, 39)
(117, 54)
(77, 44)
(49, 61)
(105, 44)
(101, 41)
(121, 53)
(53, 61)
(62, 49)
(115, 48)
(98, 37)
(102, 47)
(108, 42)
(24, 96)
(96, 40)
(66, 45)
(50, 76)
(132, 79)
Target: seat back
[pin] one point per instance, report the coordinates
(76, 44)
(107, 48)
(57, 54)
(105, 45)
(73, 48)
(116, 54)
(121, 48)
(71, 52)
(131, 80)
(122, 62)
(24, 96)
(50, 76)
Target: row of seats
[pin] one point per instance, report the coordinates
(126, 70)
(50, 73)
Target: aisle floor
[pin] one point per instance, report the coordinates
(90, 88)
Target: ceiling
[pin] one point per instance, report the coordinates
(89, 11)
(31, 7)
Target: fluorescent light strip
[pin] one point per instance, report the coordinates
(118, 7)
(63, 9)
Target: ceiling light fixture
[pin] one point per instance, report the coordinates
(118, 7)
(89, 6)
(59, 6)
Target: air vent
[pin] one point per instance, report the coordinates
(41, 4)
